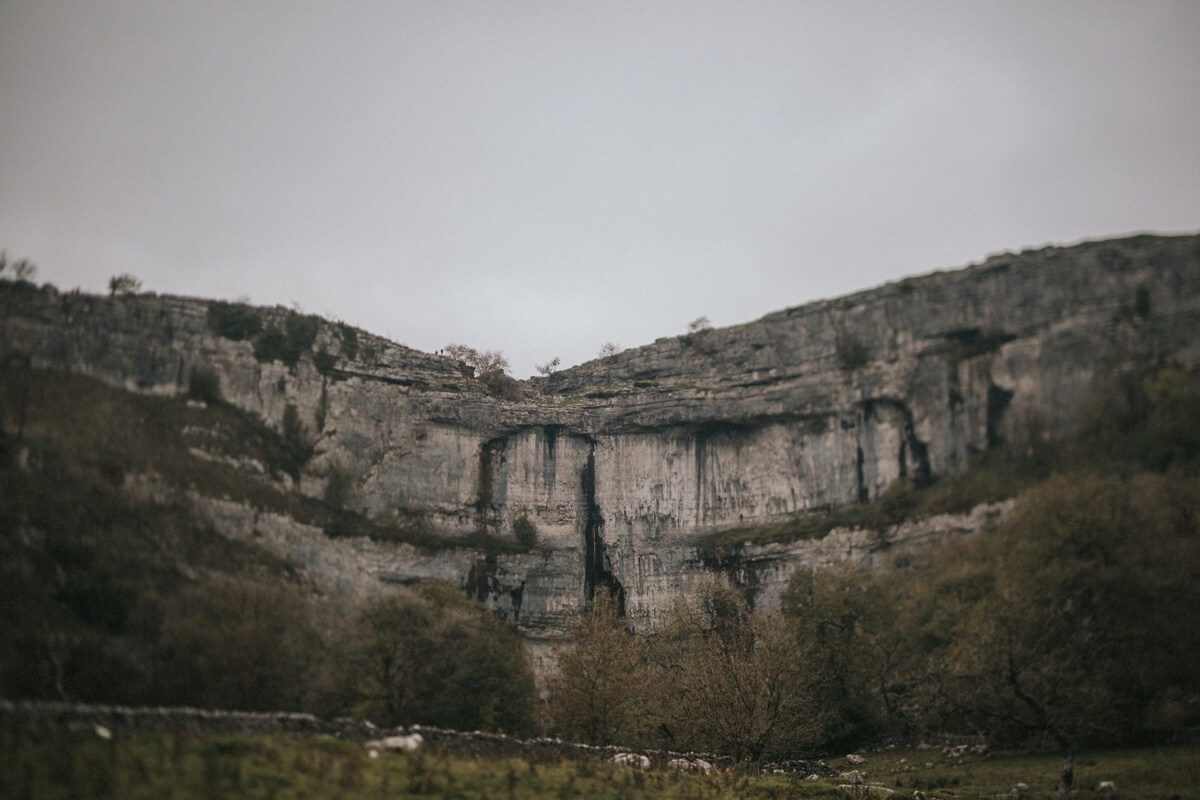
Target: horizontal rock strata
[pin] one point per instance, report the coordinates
(623, 462)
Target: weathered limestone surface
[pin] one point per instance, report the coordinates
(623, 461)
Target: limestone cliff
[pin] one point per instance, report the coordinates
(623, 462)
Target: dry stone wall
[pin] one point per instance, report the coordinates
(121, 720)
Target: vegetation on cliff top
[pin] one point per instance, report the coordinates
(297, 336)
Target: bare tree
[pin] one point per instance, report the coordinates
(482, 361)
(123, 285)
(699, 324)
(599, 691)
(609, 349)
(735, 681)
(550, 367)
(23, 270)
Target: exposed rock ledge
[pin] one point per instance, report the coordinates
(624, 462)
(537, 590)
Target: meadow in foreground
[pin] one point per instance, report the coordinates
(73, 762)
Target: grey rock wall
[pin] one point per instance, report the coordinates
(624, 461)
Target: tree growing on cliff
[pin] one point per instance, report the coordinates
(482, 362)
(490, 367)
(297, 448)
(123, 285)
(22, 270)
(699, 336)
(525, 531)
(852, 352)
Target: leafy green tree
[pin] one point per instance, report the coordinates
(489, 688)
(386, 653)
(485, 679)
(428, 654)
(239, 645)
(846, 622)
(1139, 420)
(1091, 610)
(1173, 420)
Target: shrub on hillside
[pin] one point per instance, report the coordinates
(525, 531)
(429, 655)
(234, 321)
(204, 384)
(297, 449)
(1070, 624)
(349, 337)
(324, 361)
(1140, 420)
(301, 330)
(286, 346)
(339, 486)
(852, 352)
(501, 386)
(271, 345)
(240, 646)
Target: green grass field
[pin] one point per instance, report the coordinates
(73, 762)
(1145, 774)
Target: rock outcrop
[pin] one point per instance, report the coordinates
(622, 462)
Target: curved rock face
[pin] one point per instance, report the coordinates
(622, 462)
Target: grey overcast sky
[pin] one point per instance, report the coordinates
(543, 177)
